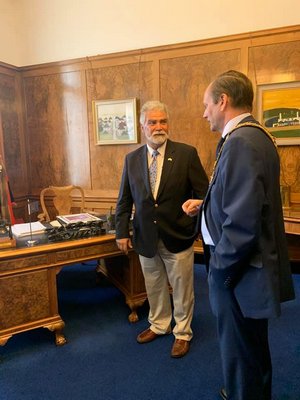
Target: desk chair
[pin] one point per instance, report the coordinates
(63, 202)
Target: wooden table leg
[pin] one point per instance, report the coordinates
(124, 271)
(57, 328)
(134, 305)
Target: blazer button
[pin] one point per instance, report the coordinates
(154, 222)
(155, 205)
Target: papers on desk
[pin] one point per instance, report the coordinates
(21, 230)
(55, 224)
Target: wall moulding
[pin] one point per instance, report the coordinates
(250, 39)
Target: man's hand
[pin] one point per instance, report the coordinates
(124, 244)
(191, 207)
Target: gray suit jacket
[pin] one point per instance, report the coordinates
(183, 177)
(243, 213)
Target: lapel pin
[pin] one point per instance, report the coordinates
(170, 159)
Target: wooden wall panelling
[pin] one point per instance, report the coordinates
(22, 137)
(275, 63)
(183, 81)
(118, 82)
(13, 141)
(290, 173)
(87, 63)
(100, 201)
(279, 63)
(56, 115)
(2, 156)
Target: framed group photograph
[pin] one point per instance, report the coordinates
(115, 121)
(279, 111)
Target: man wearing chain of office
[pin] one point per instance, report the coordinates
(243, 231)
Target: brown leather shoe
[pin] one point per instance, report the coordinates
(148, 335)
(180, 348)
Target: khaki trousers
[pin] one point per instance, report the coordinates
(178, 270)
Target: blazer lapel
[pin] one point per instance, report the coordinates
(143, 167)
(167, 166)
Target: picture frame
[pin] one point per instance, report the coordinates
(115, 121)
(75, 218)
(279, 111)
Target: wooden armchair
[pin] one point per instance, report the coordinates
(65, 200)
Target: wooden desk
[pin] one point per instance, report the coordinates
(292, 230)
(292, 225)
(28, 292)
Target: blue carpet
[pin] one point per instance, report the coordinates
(103, 361)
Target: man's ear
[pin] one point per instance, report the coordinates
(224, 101)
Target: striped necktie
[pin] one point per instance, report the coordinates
(153, 170)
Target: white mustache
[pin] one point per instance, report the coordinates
(159, 132)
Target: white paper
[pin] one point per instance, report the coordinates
(19, 230)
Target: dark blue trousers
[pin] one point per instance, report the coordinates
(244, 346)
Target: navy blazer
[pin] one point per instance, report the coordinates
(183, 177)
(243, 213)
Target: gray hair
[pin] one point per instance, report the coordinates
(152, 105)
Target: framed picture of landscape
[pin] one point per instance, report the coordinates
(279, 111)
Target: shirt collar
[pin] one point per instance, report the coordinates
(161, 149)
(233, 123)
